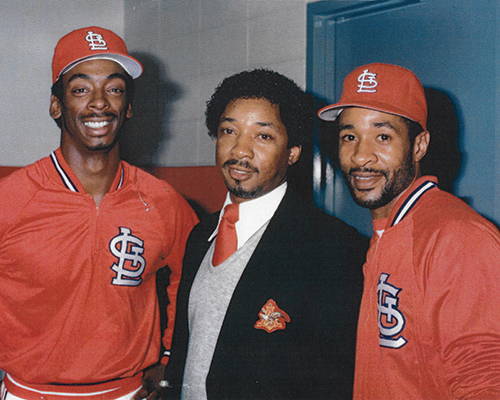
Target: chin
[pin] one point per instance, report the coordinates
(365, 200)
(244, 193)
(102, 146)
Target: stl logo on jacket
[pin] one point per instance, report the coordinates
(272, 318)
(391, 320)
(127, 248)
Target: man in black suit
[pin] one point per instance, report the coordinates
(277, 318)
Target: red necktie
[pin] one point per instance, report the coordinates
(227, 241)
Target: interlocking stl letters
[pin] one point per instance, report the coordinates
(367, 82)
(391, 321)
(127, 247)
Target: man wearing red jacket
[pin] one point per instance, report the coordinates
(429, 325)
(82, 236)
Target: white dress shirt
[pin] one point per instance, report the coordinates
(253, 213)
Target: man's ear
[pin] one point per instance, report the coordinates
(421, 145)
(129, 111)
(55, 107)
(294, 154)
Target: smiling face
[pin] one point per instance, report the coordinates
(94, 105)
(377, 161)
(252, 151)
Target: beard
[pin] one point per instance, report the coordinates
(397, 181)
(237, 189)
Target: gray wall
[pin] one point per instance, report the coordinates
(187, 47)
(29, 31)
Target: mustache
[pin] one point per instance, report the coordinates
(100, 115)
(348, 174)
(242, 164)
(367, 170)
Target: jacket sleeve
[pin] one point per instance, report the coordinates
(463, 292)
(181, 221)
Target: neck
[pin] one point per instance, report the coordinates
(385, 211)
(96, 170)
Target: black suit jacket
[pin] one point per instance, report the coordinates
(310, 264)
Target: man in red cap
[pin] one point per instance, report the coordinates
(83, 235)
(429, 326)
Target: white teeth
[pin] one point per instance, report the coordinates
(96, 125)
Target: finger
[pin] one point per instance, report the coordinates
(155, 395)
(141, 394)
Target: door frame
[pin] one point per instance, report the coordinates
(321, 16)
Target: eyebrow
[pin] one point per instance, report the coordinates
(88, 77)
(345, 126)
(385, 124)
(229, 119)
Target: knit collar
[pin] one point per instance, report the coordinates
(410, 198)
(69, 179)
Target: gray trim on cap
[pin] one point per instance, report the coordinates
(132, 67)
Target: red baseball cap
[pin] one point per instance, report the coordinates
(381, 87)
(91, 43)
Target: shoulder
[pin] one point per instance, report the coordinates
(447, 232)
(150, 184)
(321, 224)
(158, 191)
(170, 206)
(441, 212)
(18, 189)
(32, 175)
(20, 186)
(455, 248)
(325, 241)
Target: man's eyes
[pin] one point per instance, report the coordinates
(347, 137)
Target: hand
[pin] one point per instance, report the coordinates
(150, 389)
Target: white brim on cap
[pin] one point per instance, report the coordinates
(132, 67)
(330, 114)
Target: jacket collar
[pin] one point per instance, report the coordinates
(282, 239)
(410, 198)
(63, 173)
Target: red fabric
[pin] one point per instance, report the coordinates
(227, 240)
(102, 391)
(67, 314)
(383, 87)
(92, 42)
(203, 186)
(429, 325)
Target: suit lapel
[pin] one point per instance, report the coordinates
(197, 247)
(282, 239)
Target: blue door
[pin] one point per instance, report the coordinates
(451, 45)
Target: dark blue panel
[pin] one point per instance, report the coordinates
(450, 45)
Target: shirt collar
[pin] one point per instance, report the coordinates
(253, 213)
